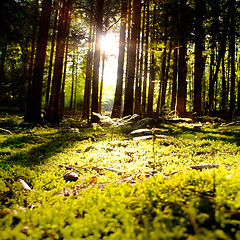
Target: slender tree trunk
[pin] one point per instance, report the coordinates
(128, 103)
(174, 79)
(33, 112)
(182, 68)
(144, 93)
(88, 80)
(152, 68)
(138, 84)
(232, 57)
(75, 89)
(99, 19)
(53, 113)
(116, 112)
(224, 95)
(102, 78)
(62, 95)
(73, 81)
(199, 60)
(33, 48)
(51, 56)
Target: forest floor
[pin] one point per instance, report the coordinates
(178, 180)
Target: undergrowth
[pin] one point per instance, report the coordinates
(123, 191)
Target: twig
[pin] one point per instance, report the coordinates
(108, 169)
(203, 166)
(5, 130)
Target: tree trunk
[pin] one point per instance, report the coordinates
(99, 20)
(232, 57)
(53, 113)
(138, 84)
(88, 80)
(34, 107)
(116, 112)
(51, 56)
(199, 60)
(174, 80)
(102, 77)
(144, 93)
(182, 68)
(33, 48)
(128, 103)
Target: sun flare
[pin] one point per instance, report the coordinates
(110, 46)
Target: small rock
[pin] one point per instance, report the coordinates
(70, 176)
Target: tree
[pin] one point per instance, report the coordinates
(34, 107)
(96, 64)
(152, 66)
(199, 60)
(116, 112)
(88, 80)
(128, 101)
(53, 112)
(182, 68)
(232, 57)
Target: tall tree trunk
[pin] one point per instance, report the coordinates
(199, 60)
(102, 76)
(33, 48)
(128, 103)
(53, 113)
(138, 84)
(73, 81)
(99, 20)
(34, 107)
(88, 80)
(51, 55)
(145, 75)
(75, 89)
(224, 90)
(232, 8)
(152, 67)
(116, 112)
(182, 68)
(174, 79)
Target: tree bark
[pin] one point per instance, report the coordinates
(145, 75)
(99, 24)
(51, 56)
(34, 107)
(232, 8)
(88, 80)
(116, 112)
(53, 113)
(199, 60)
(128, 103)
(182, 68)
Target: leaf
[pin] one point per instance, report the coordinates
(143, 137)
(24, 185)
(141, 130)
(93, 180)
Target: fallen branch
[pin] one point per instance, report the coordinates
(5, 130)
(203, 166)
(108, 169)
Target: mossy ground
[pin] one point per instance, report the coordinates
(125, 190)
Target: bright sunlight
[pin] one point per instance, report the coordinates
(110, 45)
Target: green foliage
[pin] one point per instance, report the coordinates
(130, 199)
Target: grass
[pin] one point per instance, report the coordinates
(123, 191)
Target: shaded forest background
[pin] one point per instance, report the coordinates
(174, 57)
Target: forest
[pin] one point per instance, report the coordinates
(119, 120)
(150, 58)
